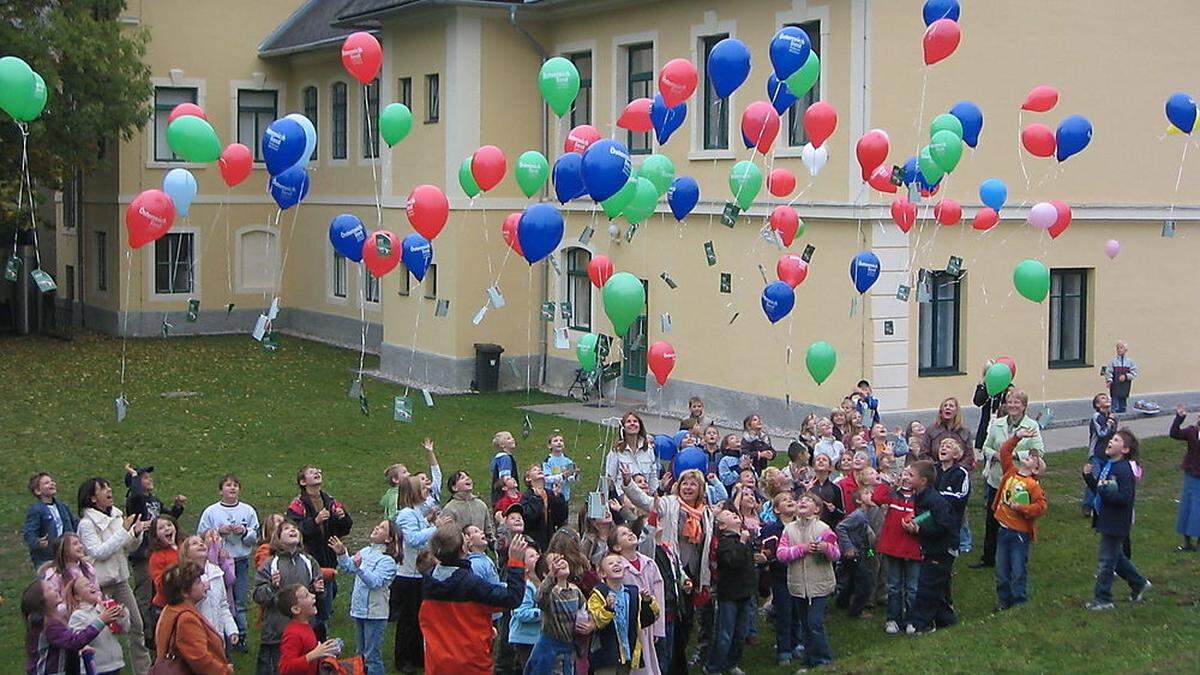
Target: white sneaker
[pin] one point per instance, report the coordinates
(910, 629)
(1140, 595)
(891, 628)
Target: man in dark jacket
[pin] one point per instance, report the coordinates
(141, 501)
(319, 517)
(936, 527)
(46, 520)
(737, 582)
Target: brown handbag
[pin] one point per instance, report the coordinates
(170, 663)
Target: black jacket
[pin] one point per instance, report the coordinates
(988, 407)
(955, 485)
(834, 510)
(939, 533)
(1115, 515)
(146, 505)
(737, 578)
(316, 536)
(542, 519)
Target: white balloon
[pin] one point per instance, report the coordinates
(814, 158)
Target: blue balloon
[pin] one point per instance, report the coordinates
(289, 187)
(911, 171)
(1073, 135)
(993, 192)
(972, 121)
(665, 447)
(779, 95)
(347, 234)
(310, 136)
(416, 252)
(789, 50)
(682, 196)
(940, 9)
(666, 120)
(778, 298)
(283, 144)
(568, 177)
(540, 230)
(180, 186)
(605, 170)
(690, 458)
(864, 270)
(1181, 111)
(728, 66)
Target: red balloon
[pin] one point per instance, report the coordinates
(947, 212)
(677, 81)
(881, 179)
(236, 162)
(786, 222)
(581, 138)
(904, 213)
(636, 116)
(1008, 361)
(600, 270)
(487, 167)
(781, 182)
(509, 231)
(186, 109)
(1064, 218)
(941, 39)
(791, 269)
(362, 56)
(379, 265)
(760, 124)
(1038, 139)
(985, 219)
(428, 210)
(926, 194)
(148, 217)
(1041, 98)
(661, 359)
(820, 119)
(872, 150)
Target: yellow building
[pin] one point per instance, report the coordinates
(467, 69)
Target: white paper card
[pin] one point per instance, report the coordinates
(260, 328)
(479, 315)
(496, 298)
(561, 339)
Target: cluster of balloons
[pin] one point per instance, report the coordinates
(1053, 216)
(23, 92)
(485, 168)
(1073, 134)
(624, 299)
(942, 33)
(993, 193)
(999, 375)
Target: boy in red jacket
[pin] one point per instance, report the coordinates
(299, 652)
(900, 550)
(1018, 504)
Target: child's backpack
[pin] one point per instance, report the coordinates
(350, 666)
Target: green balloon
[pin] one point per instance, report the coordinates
(1032, 279)
(946, 149)
(800, 229)
(929, 168)
(532, 171)
(802, 80)
(997, 378)
(660, 170)
(946, 122)
(624, 301)
(193, 139)
(35, 103)
(559, 82)
(820, 360)
(614, 205)
(394, 123)
(645, 198)
(16, 83)
(585, 351)
(745, 180)
(466, 179)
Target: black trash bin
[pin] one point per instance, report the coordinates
(487, 367)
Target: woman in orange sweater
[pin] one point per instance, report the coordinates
(1018, 504)
(182, 631)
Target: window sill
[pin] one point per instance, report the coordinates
(1068, 365)
(941, 372)
(789, 151)
(161, 164)
(431, 121)
(713, 153)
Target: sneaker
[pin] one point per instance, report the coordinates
(783, 659)
(798, 652)
(891, 628)
(1140, 595)
(1087, 511)
(1097, 606)
(980, 565)
(910, 629)
(735, 671)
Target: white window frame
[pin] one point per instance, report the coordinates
(281, 95)
(345, 161)
(371, 305)
(273, 259)
(620, 80)
(564, 290)
(199, 84)
(711, 27)
(799, 14)
(564, 49)
(197, 265)
(320, 116)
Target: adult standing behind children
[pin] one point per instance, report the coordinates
(237, 523)
(633, 451)
(319, 517)
(1016, 402)
(141, 501)
(1119, 375)
(1187, 523)
(183, 632)
(47, 519)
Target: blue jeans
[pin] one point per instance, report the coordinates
(368, 634)
(811, 612)
(902, 587)
(241, 589)
(665, 647)
(732, 622)
(551, 656)
(933, 606)
(1012, 563)
(1088, 495)
(965, 541)
(787, 624)
(1118, 403)
(1113, 560)
(325, 608)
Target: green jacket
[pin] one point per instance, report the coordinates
(1000, 431)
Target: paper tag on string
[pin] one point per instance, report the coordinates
(669, 281)
(665, 320)
(710, 253)
(763, 271)
(603, 346)
(1168, 229)
(597, 507)
(355, 388)
(730, 214)
(562, 339)
(495, 297)
(787, 400)
(787, 355)
(853, 305)
(363, 406)
(428, 398)
(526, 427)
(45, 283)
(273, 310)
(270, 342)
(807, 255)
(914, 193)
(12, 268)
(402, 409)
(228, 310)
(479, 315)
(193, 310)
(564, 310)
(166, 328)
(889, 327)
(260, 327)
(954, 266)
(897, 177)
(442, 308)
(512, 366)
(630, 231)
(726, 282)
(547, 311)
(902, 292)
(554, 263)
(734, 317)
(586, 235)
(122, 408)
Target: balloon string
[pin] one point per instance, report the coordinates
(125, 317)
(173, 256)
(487, 242)
(362, 319)
(286, 250)
(1021, 155)
(373, 145)
(1178, 178)
(27, 177)
(529, 336)
(412, 357)
(228, 252)
(921, 108)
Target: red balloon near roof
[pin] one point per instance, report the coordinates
(362, 56)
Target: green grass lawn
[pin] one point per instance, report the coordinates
(264, 415)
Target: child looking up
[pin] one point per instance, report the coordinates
(737, 583)
(374, 568)
(1116, 491)
(85, 604)
(1020, 501)
(809, 548)
(559, 600)
(526, 622)
(467, 509)
(299, 651)
(855, 539)
(788, 640)
(557, 467)
(936, 527)
(622, 614)
(504, 463)
(49, 642)
(900, 550)
(951, 479)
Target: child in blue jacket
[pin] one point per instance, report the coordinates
(374, 568)
(1115, 488)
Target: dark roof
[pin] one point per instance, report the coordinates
(358, 10)
(309, 27)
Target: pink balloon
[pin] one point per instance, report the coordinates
(1038, 139)
(760, 124)
(1112, 248)
(636, 116)
(677, 81)
(186, 109)
(1041, 98)
(581, 138)
(781, 182)
(1042, 215)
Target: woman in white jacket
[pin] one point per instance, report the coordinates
(108, 537)
(215, 605)
(633, 451)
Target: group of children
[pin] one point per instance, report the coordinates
(858, 516)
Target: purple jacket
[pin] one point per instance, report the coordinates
(53, 648)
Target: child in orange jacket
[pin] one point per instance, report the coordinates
(1018, 504)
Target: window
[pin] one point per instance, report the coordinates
(939, 318)
(165, 100)
(173, 260)
(256, 110)
(581, 112)
(371, 288)
(640, 78)
(337, 147)
(796, 134)
(370, 125)
(404, 91)
(339, 275)
(432, 102)
(430, 282)
(579, 289)
(310, 111)
(405, 286)
(1068, 317)
(101, 261)
(716, 110)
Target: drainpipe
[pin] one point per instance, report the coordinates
(543, 54)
